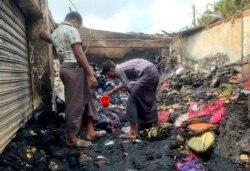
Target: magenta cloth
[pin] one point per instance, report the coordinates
(190, 163)
(164, 116)
(218, 116)
(218, 108)
(115, 120)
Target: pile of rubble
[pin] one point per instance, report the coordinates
(203, 125)
(198, 105)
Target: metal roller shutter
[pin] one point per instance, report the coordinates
(15, 80)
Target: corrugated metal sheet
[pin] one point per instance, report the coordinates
(15, 80)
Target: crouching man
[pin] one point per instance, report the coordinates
(140, 77)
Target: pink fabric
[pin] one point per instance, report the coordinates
(190, 163)
(218, 116)
(190, 157)
(164, 116)
(210, 110)
(164, 86)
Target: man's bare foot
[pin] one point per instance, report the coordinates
(78, 143)
(95, 135)
(129, 135)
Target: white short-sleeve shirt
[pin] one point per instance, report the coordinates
(62, 38)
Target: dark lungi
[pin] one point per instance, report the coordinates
(78, 96)
(141, 105)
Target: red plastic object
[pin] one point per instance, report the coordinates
(104, 101)
(247, 85)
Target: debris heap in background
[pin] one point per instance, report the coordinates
(196, 104)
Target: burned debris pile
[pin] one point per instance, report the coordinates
(203, 125)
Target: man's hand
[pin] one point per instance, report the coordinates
(115, 90)
(92, 71)
(93, 81)
(45, 35)
(110, 93)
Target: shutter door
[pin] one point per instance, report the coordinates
(15, 80)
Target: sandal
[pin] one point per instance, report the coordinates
(80, 143)
(127, 136)
(98, 134)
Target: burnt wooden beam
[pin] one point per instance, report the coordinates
(126, 43)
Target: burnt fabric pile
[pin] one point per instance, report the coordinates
(197, 104)
(203, 125)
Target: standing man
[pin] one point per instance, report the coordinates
(140, 77)
(76, 75)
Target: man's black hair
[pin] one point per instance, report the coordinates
(107, 66)
(73, 15)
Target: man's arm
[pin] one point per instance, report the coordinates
(116, 89)
(121, 74)
(81, 58)
(45, 35)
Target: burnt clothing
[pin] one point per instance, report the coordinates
(131, 70)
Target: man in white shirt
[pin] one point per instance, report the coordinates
(76, 75)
